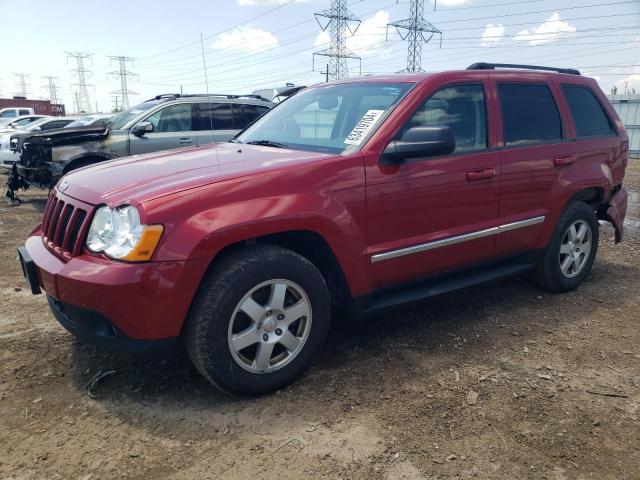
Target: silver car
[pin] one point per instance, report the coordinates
(161, 123)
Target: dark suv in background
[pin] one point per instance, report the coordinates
(161, 123)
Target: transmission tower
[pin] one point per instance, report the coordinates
(338, 20)
(50, 85)
(83, 104)
(417, 30)
(22, 84)
(123, 73)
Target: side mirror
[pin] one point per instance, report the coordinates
(141, 128)
(421, 142)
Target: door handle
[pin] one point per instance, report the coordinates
(185, 141)
(481, 174)
(565, 160)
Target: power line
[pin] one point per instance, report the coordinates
(289, 2)
(83, 103)
(417, 30)
(22, 84)
(124, 74)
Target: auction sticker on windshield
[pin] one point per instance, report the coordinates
(363, 127)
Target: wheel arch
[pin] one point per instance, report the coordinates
(307, 243)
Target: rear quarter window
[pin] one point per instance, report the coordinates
(529, 114)
(589, 117)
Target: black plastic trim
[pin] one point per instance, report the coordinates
(442, 283)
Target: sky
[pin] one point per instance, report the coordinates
(252, 44)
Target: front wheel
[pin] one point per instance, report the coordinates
(568, 258)
(258, 319)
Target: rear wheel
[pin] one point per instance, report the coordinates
(258, 320)
(568, 258)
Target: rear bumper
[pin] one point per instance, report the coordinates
(106, 302)
(617, 210)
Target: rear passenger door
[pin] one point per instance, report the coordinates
(216, 122)
(534, 135)
(173, 127)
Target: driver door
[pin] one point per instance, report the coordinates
(434, 214)
(173, 127)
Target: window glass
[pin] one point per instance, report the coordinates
(328, 118)
(589, 117)
(249, 113)
(8, 114)
(23, 121)
(462, 108)
(174, 118)
(221, 116)
(529, 114)
(121, 119)
(24, 112)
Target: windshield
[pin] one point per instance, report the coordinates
(332, 118)
(36, 123)
(121, 119)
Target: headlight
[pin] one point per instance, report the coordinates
(119, 234)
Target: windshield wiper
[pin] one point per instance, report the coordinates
(267, 143)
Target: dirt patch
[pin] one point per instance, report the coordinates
(557, 379)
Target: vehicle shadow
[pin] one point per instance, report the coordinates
(356, 352)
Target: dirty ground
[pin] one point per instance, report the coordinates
(498, 381)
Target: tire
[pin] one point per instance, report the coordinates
(564, 264)
(252, 280)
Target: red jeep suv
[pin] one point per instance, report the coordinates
(361, 194)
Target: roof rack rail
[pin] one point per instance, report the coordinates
(493, 66)
(218, 95)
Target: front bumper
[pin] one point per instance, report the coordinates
(114, 305)
(93, 328)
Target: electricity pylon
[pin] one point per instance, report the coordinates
(83, 104)
(417, 30)
(123, 73)
(338, 19)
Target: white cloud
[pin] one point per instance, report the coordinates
(251, 3)
(369, 39)
(550, 31)
(492, 35)
(250, 39)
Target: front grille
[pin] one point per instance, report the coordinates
(64, 226)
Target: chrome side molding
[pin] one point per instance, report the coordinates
(445, 242)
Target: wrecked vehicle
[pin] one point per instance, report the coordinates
(161, 123)
(360, 194)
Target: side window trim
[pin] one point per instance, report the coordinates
(452, 85)
(563, 131)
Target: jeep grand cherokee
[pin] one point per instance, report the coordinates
(362, 193)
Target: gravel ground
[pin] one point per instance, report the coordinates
(498, 381)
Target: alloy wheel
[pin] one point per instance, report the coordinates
(269, 326)
(575, 248)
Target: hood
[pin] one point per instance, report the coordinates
(64, 136)
(134, 180)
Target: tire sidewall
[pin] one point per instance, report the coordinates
(217, 361)
(576, 211)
